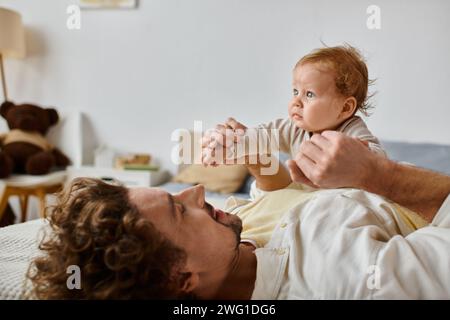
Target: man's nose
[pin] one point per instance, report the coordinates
(195, 194)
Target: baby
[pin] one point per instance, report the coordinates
(329, 86)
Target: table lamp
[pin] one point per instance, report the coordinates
(12, 40)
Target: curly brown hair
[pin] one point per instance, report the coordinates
(350, 69)
(121, 255)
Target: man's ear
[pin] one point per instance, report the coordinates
(349, 108)
(5, 107)
(189, 281)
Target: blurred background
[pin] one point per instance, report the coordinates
(138, 74)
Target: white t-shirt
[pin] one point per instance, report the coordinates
(347, 244)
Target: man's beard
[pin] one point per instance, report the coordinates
(236, 227)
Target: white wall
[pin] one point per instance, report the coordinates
(139, 74)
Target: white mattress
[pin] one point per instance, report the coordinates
(18, 246)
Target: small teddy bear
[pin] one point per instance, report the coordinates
(24, 149)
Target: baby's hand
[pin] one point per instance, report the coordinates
(221, 139)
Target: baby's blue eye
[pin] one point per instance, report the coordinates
(295, 92)
(310, 94)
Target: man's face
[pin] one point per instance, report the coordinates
(209, 236)
(316, 105)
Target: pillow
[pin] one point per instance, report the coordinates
(223, 179)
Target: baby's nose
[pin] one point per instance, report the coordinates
(297, 102)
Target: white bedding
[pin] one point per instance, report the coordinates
(18, 247)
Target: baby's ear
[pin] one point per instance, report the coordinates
(349, 108)
(5, 107)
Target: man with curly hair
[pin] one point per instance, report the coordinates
(145, 243)
(136, 243)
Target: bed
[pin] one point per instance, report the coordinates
(18, 243)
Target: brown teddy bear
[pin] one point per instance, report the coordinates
(24, 148)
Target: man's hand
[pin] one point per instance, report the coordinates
(222, 137)
(332, 160)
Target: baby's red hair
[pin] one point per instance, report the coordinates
(350, 70)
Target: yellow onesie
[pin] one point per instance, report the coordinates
(261, 215)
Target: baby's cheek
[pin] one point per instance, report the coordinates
(310, 115)
(314, 119)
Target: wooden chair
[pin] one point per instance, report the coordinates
(24, 186)
(66, 135)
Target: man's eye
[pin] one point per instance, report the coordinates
(310, 94)
(295, 92)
